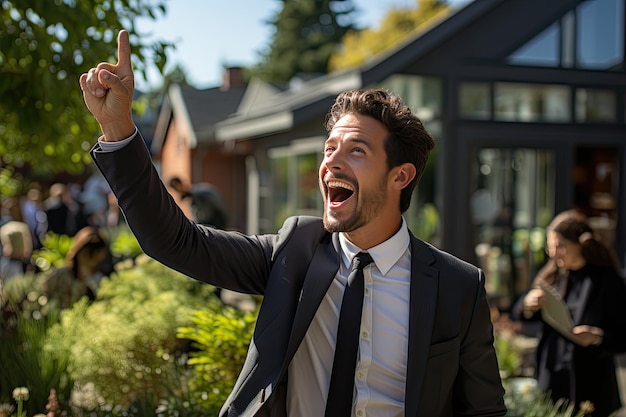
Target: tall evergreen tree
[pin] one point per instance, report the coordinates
(307, 33)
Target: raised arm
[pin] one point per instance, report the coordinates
(108, 93)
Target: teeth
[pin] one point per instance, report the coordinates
(339, 184)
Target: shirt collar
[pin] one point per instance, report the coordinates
(385, 255)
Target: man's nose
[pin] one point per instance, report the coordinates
(334, 161)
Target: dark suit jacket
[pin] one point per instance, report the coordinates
(452, 368)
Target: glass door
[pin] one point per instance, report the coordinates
(511, 202)
(596, 188)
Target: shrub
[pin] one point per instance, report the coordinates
(122, 347)
(220, 337)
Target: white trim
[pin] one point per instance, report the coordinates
(179, 110)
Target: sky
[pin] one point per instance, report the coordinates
(212, 34)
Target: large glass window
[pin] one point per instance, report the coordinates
(277, 197)
(532, 102)
(590, 36)
(475, 100)
(600, 34)
(596, 105)
(542, 50)
(596, 188)
(424, 95)
(512, 200)
(294, 171)
(306, 189)
(518, 102)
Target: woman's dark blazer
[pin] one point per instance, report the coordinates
(452, 368)
(593, 378)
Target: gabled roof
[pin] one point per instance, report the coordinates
(281, 111)
(257, 95)
(196, 112)
(284, 110)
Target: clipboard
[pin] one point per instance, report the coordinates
(554, 311)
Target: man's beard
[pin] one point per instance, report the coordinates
(371, 202)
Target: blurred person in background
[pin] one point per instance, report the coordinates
(207, 205)
(17, 248)
(62, 211)
(33, 215)
(579, 365)
(86, 263)
(95, 200)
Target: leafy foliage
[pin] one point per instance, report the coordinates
(25, 363)
(359, 46)
(44, 47)
(508, 356)
(124, 244)
(24, 297)
(9, 184)
(127, 352)
(220, 338)
(53, 251)
(123, 345)
(307, 33)
(524, 399)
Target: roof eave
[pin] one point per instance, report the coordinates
(281, 119)
(425, 41)
(179, 110)
(260, 126)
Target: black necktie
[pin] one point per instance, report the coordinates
(339, 401)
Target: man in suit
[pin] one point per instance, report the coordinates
(425, 340)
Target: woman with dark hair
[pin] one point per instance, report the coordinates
(579, 365)
(83, 269)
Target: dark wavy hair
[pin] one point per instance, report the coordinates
(408, 141)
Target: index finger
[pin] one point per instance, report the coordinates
(123, 50)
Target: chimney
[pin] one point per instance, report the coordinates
(233, 78)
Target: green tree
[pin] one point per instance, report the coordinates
(45, 45)
(359, 45)
(307, 33)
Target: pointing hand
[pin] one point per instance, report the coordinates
(108, 92)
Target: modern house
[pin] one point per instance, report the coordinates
(526, 100)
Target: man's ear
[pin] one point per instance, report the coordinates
(402, 175)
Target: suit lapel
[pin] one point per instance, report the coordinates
(423, 302)
(321, 272)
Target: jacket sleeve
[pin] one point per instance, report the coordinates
(462, 376)
(478, 385)
(226, 259)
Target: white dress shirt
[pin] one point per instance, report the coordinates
(114, 146)
(380, 375)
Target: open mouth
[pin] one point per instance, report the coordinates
(339, 191)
